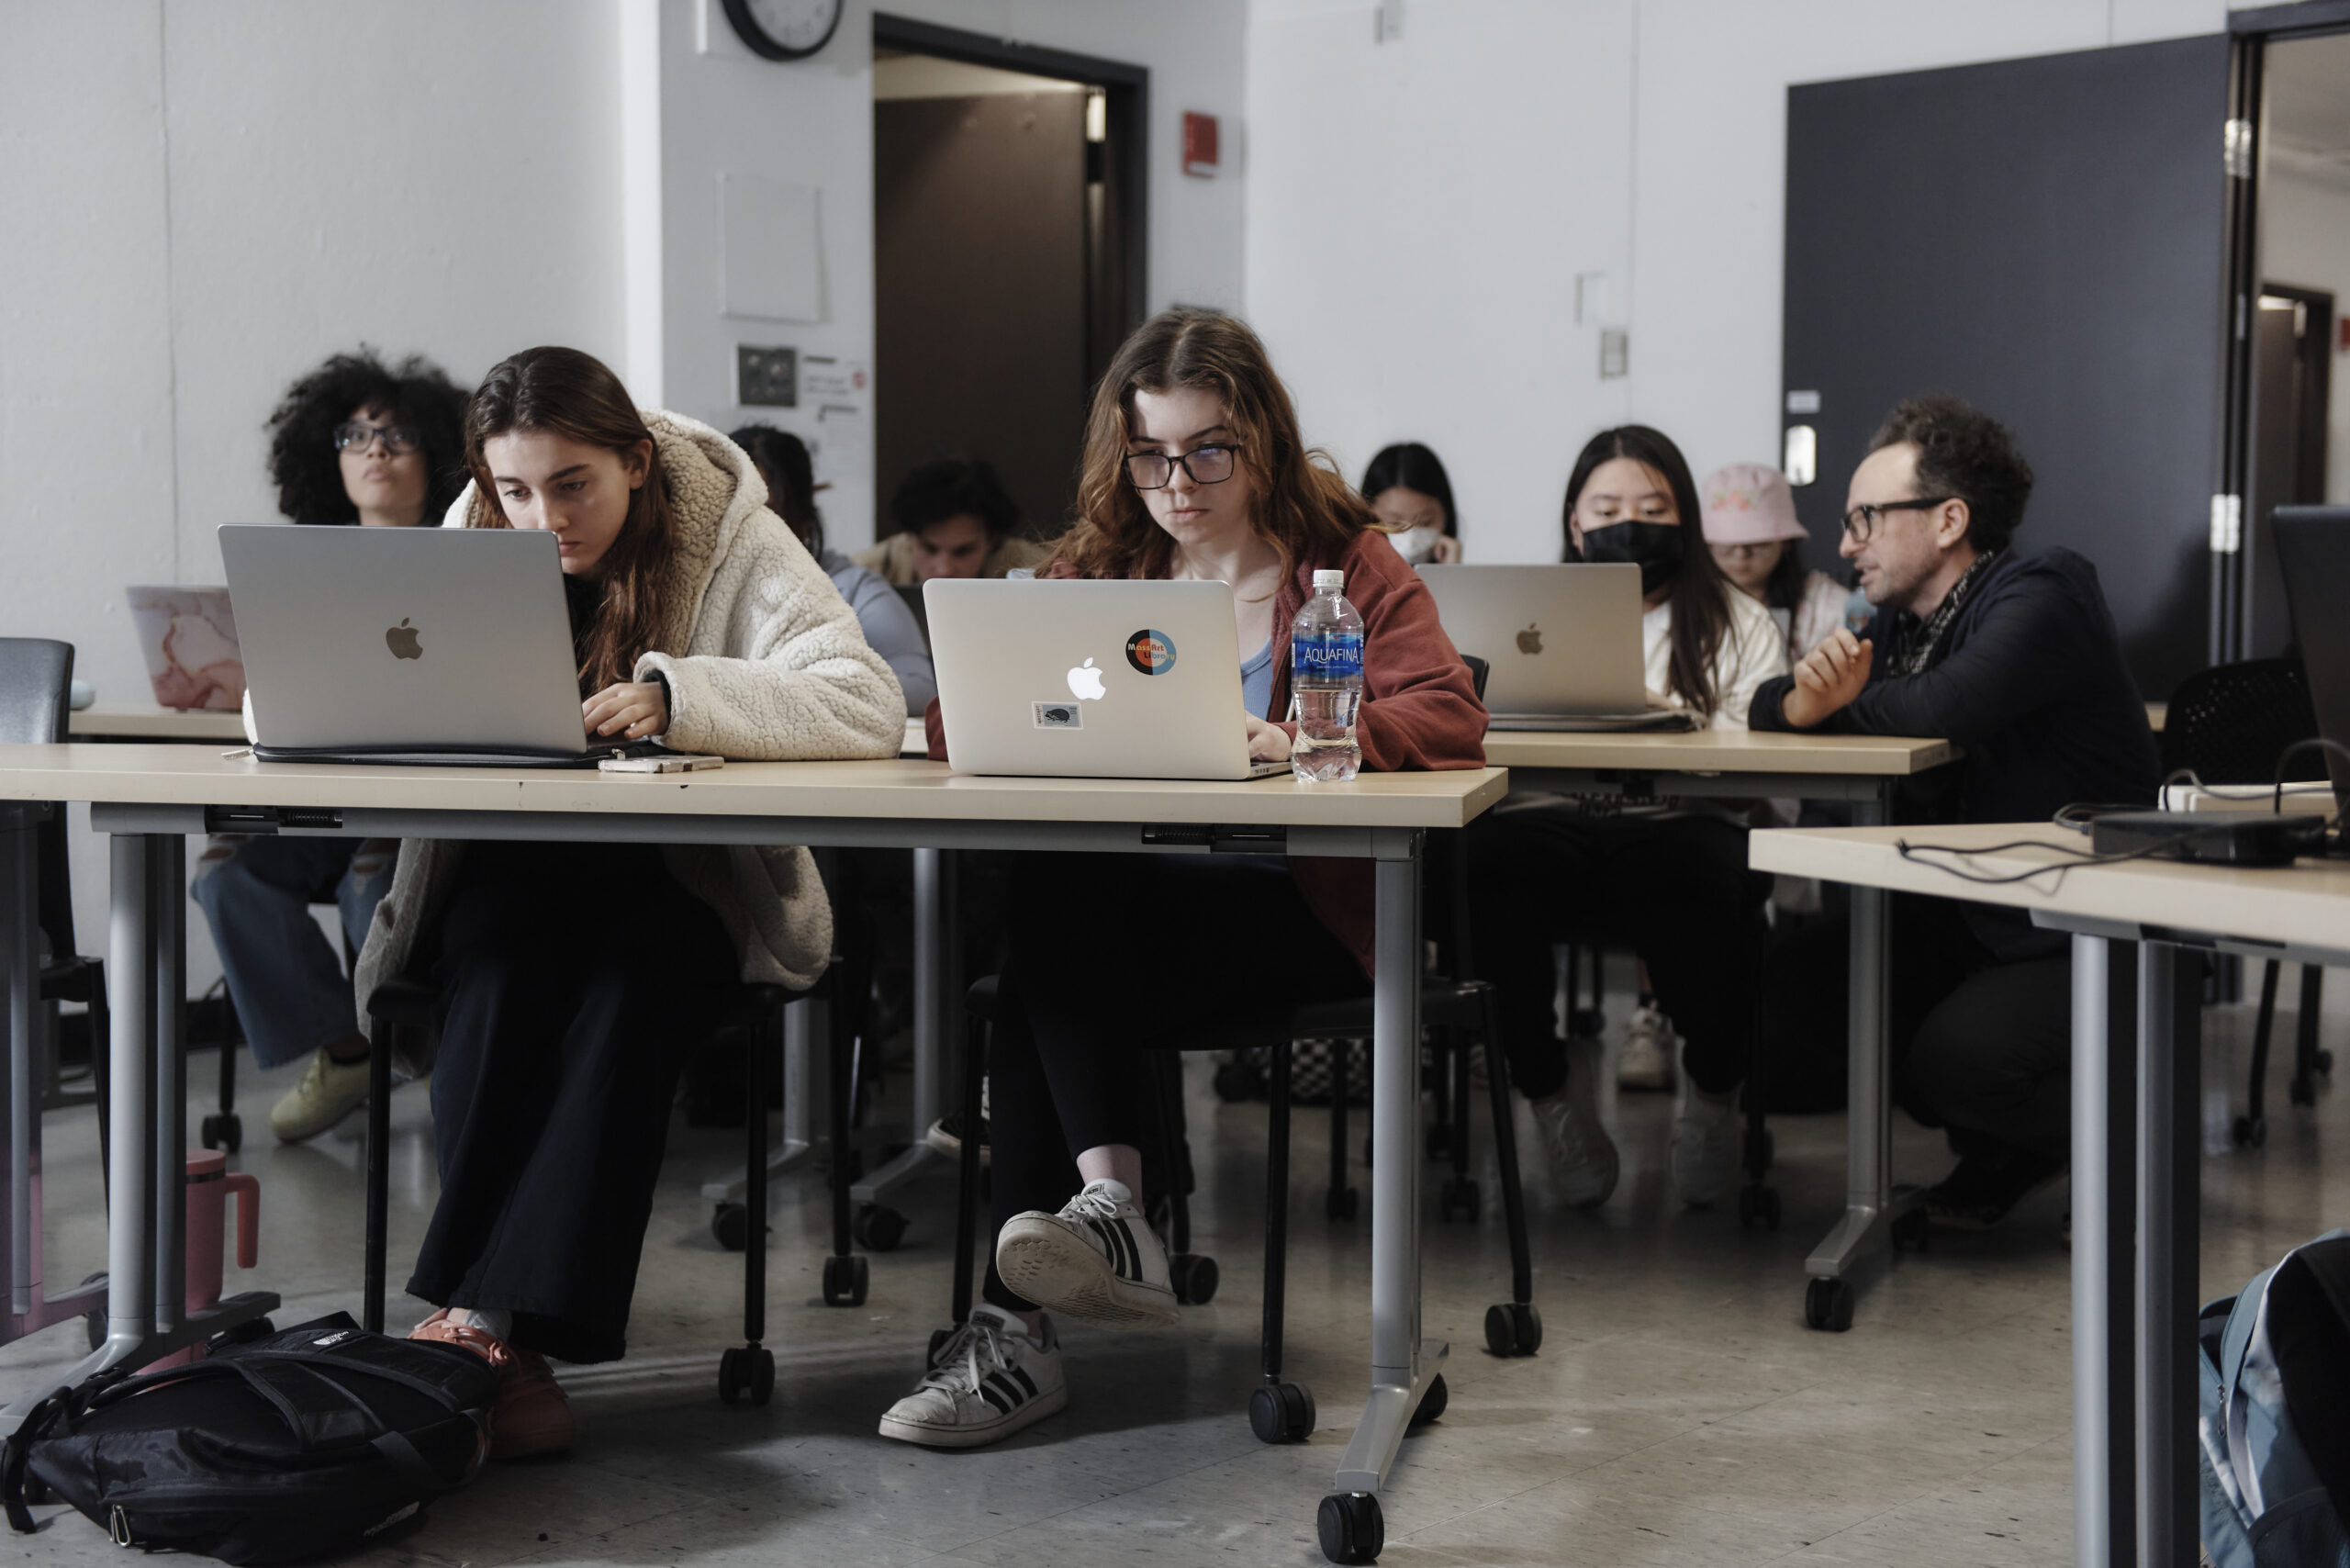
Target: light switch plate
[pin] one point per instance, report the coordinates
(766, 377)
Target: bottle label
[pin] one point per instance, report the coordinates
(1327, 655)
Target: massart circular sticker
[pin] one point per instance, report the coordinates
(1152, 652)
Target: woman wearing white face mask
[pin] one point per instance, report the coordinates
(1412, 497)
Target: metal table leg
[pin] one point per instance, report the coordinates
(2103, 1521)
(2167, 1187)
(935, 997)
(1871, 1201)
(146, 1247)
(19, 921)
(1403, 1365)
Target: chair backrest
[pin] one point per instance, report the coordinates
(2232, 723)
(35, 677)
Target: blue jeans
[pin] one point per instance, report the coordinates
(287, 982)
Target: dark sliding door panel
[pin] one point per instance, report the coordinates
(2044, 238)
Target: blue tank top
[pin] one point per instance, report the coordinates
(1257, 681)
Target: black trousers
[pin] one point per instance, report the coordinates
(1676, 888)
(1113, 956)
(1979, 1047)
(574, 980)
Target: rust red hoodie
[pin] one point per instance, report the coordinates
(1419, 709)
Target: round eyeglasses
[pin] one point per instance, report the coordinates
(1205, 465)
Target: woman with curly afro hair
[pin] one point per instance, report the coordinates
(355, 441)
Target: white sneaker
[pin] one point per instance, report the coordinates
(988, 1381)
(1097, 1260)
(1649, 1046)
(1705, 1147)
(1572, 1135)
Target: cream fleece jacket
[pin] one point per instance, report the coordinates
(765, 662)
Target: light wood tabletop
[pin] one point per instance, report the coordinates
(899, 788)
(145, 722)
(1718, 751)
(2307, 902)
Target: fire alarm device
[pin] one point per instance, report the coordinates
(1200, 145)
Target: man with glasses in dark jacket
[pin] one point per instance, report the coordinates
(2012, 654)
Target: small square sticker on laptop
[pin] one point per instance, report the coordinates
(1060, 715)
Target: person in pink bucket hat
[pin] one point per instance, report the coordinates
(1748, 515)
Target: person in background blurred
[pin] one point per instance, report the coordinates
(955, 519)
(354, 443)
(1412, 496)
(890, 626)
(1750, 527)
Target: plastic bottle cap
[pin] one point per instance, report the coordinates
(1334, 582)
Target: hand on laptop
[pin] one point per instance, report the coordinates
(1828, 678)
(1267, 742)
(629, 709)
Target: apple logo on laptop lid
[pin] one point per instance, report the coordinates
(1085, 682)
(401, 640)
(1530, 640)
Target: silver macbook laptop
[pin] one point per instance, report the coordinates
(1089, 680)
(420, 645)
(1562, 643)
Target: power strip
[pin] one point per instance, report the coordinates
(2226, 838)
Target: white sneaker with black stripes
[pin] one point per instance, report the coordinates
(988, 1380)
(1097, 1260)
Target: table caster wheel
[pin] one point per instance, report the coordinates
(762, 1364)
(1911, 1233)
(730, 1224)
(1828, 1304)
(1351, 1527)
(878, 1227)
(1281, 1413)
(1432, 1403)
(1238, 1080)
(225, 1132)
(1340, 1203)
(733, 1377)
(1459, 1194)
(1193, 1275)
(1512, 1329)
(844, 1281)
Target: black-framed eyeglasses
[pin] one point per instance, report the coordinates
(1862, 520)
(361, 434)
(1205, 465)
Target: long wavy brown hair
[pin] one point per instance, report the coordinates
(1303, 506)
(1700, 594)
(564, 392)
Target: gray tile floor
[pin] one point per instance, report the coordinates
(1679, 1412)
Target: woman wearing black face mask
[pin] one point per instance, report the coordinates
(1670, 882)
(1628, 501)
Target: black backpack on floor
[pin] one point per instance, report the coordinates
(303, 1444)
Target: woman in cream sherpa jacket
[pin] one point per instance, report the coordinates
(573, 977)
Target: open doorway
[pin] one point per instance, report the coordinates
(1008, 253)
(2298, 442)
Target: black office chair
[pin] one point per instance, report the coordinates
(36, 677)
(2229, 724)
(402, 1011)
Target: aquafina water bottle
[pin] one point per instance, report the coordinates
(1326, 683)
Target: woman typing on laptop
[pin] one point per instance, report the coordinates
(1193, 470)
(1672, 883)
(575, 976)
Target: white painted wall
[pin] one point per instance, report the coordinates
(725, 110)
(1418, 210)
(2305, 239)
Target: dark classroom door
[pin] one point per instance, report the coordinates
(2045, 238)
